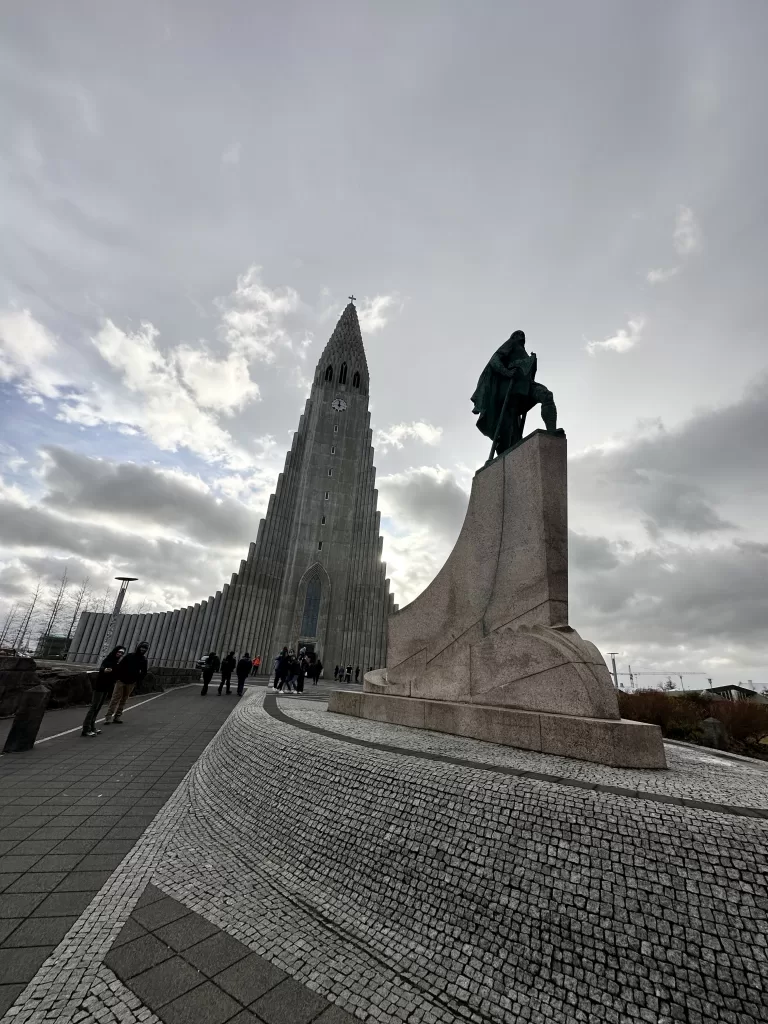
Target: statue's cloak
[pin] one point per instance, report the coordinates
(493, 385)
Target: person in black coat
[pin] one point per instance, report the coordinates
(102, 687)
(130, 671)
(211, 666)
(227, 668)
(242, 671)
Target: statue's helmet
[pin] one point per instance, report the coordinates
(518, 336)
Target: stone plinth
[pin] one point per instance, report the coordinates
(491, 631)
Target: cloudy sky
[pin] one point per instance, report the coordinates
(190, 191)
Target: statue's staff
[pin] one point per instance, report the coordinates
(501, 419)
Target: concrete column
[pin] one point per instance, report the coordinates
(191, 638)
(97, 638)
(87, 622)
(166, 637)
(173, 637)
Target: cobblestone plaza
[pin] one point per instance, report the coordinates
(355, 869)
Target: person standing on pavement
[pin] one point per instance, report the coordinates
(348, 674)
(102, 688)
(317, 668)
(211, 665)
(256, 666)
(357, 674)
(242, 671)
(227, 668)
(336, 672)
(130, 671)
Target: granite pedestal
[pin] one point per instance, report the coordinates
(486, 650)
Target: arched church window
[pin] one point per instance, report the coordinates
(356, 380)
(329, 373)
(311, 608)
(343, 374)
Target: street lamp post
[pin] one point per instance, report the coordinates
(124, 581)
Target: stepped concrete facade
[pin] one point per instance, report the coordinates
(314, 575)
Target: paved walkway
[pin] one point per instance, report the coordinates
(72, 808)
(312, 867)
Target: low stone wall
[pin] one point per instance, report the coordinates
(70, 684)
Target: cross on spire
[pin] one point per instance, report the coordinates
(351, 298)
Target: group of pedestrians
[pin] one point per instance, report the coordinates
(344, 675)
(118, 674)
(292, 669)
(229, 664)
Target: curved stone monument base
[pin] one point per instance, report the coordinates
(618, 743)
(486, 651)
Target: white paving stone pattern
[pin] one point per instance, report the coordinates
(408, 889)
(695, 774)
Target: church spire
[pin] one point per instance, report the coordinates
(343, 360)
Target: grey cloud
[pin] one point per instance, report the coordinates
(591, 554)
(81, 486)
(426, 497)
(675, 479)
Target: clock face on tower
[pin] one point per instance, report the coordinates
(339, 404)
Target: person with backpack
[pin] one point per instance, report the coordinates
(242, 671)
(227, 668)
(129, 671)
(211, 665)
(102, 687)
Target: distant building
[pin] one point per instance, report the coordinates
(730, 692)
(314, 576)
(52, 647)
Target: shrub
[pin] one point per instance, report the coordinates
(679, 717)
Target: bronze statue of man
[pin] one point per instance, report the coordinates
(506, 391)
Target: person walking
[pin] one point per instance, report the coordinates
(211, 665)
(256, 665)
(130, 671)
(243, 670)
(281, 668)
(357, 674)
(102, 688)
(227, 668)
(317, 668)
(348, 674)
(336, 673)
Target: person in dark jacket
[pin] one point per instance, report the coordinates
(102, 688)
(336, 672)
(130, 671)
(227, 668)
(242, 671)
(211, 666)
(317, 668)
(281, 668)
(357, 674)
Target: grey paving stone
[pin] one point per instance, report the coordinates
(60, 904)
(7, 925)
(6, 845)
(57, 862)
(245, 1017)
(83, 881)
(169, 980)
(160, 913)
(37, 881)
(151, 894)
(57, 832)
(205, 1004)
(215, 954)
(40, 931)
(11, 862)
(137, 956)
(186, 931)
(19, 965)
(81, 846)
(19, 904)
(8, 995)
(37, 846)
(7, 879)
(100, 862)
(249, 979)
(289, 1003)
(112, 846)
(131, 930)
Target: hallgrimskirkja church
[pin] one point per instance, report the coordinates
(314, 575)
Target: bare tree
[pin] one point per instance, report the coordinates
(80, 603)
(9, 619)
(26, 622)
(55, 608)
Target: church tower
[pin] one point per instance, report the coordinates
(314, 575)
